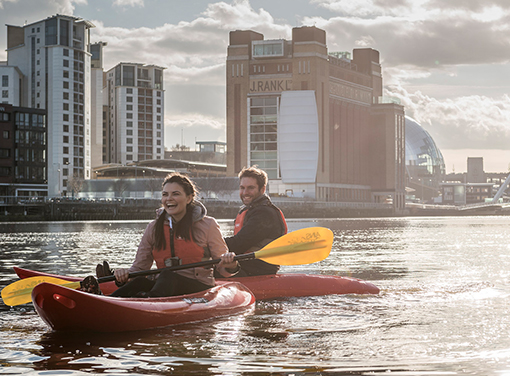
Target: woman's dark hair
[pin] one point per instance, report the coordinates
(182, 228)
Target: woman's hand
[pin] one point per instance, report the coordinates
(121, 275)
(228, 266)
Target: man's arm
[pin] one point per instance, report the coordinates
(259, 224)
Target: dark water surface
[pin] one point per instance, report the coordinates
(443, 307)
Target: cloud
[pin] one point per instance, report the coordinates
(364, 8)
(185, 130)
(470, 122)
(128, 3)
(2, 2)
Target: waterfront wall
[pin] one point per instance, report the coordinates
(67, 209)
(141, 209)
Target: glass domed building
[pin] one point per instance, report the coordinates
(425, 167)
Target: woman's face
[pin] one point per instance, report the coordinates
(174, 200)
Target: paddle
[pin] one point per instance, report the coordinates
(304, 246)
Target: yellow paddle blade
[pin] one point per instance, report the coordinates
(20, 292)
(304, 246)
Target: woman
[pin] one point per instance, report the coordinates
(181, 234)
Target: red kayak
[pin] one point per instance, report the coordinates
(67, 309)
(266, 286)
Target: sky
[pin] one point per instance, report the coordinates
(446, 60)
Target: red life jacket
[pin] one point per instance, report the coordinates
(238, 224)
(188, 251)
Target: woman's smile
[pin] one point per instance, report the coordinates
(174, 200)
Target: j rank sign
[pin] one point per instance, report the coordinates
(257, 86)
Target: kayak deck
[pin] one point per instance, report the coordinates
(266, 286)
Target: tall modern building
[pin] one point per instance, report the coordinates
(98, 106)
(135, 115)
(315, 121)
(49, 64)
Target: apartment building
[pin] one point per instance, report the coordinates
(135, 113)
(48, 66)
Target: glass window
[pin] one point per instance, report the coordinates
(5, 80)
(64, 32)
(128, 76)
(51, 31)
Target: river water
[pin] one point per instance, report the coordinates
(443, 307)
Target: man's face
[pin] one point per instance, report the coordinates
(249, 190)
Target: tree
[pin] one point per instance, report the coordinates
(75, 184)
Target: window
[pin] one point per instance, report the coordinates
(129, 132)
(5, 81)
(129, 157)
(6, 134)
(129, 149)
(266, 48)
(66, 150)
(158, 109)
(66, 85)
(66, 139)
(38, 73)
(129, 115)
(65, 117)
(158, 93)
(38, 62)
(129, 107)
(5, 93)
(66, 106)
(129, 91)
(158, 126)
(129, 140)
(129, 99)
(66, 128)
(129, 123)
(66, 63)
(66, 74)
(66, 52)
(5, 153)
(66, 95)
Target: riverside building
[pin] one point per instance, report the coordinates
(315, 121)
(135, 113)
(48, 67)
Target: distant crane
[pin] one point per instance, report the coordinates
(501, 190)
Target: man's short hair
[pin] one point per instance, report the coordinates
(254, 172)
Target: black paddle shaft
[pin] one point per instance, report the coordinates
(245, 256)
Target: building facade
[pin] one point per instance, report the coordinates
(315, 121)
(52, 64)
(23, 152)
(135, 115)
(98, 105)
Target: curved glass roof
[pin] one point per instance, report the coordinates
(423, 158)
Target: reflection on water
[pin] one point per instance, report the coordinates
(442, 309)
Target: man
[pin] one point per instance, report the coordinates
(258, 222)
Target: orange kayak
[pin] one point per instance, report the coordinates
(266, 286)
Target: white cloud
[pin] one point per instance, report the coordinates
(471, 122)
(129, 3)
(2, 2)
